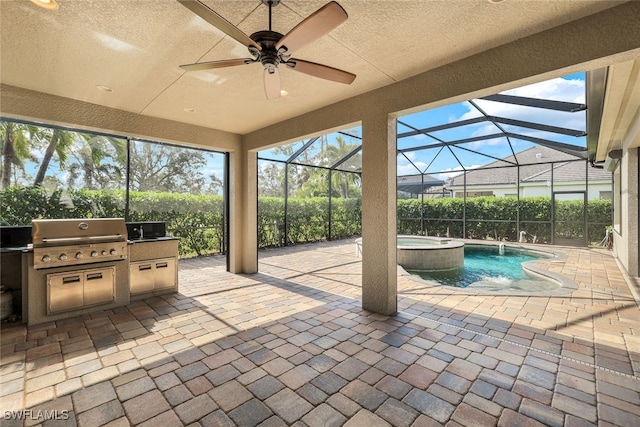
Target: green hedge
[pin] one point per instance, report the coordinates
(308, 220)
(198, 220)
(495, 218)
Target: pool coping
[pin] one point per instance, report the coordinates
(567, 285)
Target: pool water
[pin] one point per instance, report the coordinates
(485, 268)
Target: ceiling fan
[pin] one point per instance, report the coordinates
(271, 48)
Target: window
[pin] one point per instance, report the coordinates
(608, 195)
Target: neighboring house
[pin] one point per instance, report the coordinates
(413, 185)
(539, 166)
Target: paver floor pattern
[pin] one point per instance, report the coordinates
(293, 346)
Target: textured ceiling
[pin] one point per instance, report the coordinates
(136, 46)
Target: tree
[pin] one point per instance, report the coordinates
(15, 149)
(156, 167)
(215, 184)
(315, 185)
(310, 181)
(100, 161)
(344, 184)
(59, 143)
(271, 180)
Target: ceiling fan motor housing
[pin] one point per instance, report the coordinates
(269, 56)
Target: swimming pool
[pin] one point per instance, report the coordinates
(486, 268)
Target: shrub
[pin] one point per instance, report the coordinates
(198, 220)
(496, 218)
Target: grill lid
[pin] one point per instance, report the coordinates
(58, 232)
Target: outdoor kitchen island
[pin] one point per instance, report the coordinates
(79, 266)
(153, 267)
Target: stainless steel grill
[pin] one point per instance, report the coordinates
(76, 265)
(67, 242)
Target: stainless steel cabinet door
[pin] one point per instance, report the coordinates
(64, 292)
(165, 273)
(141, 277)
(99, 285)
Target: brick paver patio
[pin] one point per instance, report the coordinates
(292, 346)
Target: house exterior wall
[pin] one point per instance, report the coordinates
(625, 239)
(620, 130)
(595, 191)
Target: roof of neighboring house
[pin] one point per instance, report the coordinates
(535, 166)
(417, 184)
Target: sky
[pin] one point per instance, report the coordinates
(442, 164)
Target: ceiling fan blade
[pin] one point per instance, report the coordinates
(216, 64)
(313, 27)
(322, 71)
(272, 83)
(219, 22)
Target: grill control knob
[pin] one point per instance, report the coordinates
(79, 255)
(94, 254)
(104, 253)
(62, 257)
(46, 258)
(113, 252)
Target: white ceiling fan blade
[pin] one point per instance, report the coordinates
(219, 22)
(313, 27)
(321, 71)
(272, 83)
(216, 64)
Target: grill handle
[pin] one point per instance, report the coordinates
(63, 241)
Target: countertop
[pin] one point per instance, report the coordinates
(151, 240)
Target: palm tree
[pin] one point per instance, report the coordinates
(15, 149)
(91, 151)
(60, 142)
(342, 181)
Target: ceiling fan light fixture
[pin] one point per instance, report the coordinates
(46, 4)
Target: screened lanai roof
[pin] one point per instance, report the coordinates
(339, 151)
(497, 131)
(489, 132)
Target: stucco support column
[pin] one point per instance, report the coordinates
(379, 269)
(243, 212)
(633, 207)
